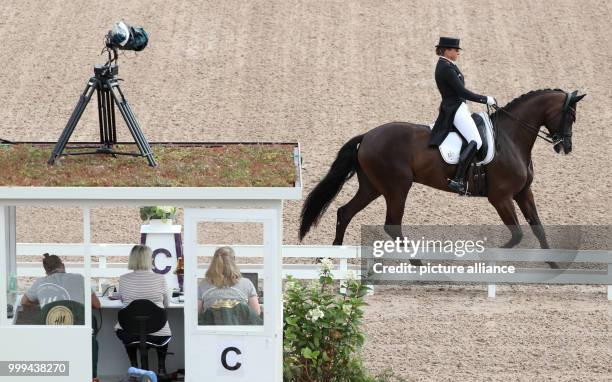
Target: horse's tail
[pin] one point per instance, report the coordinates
(321, 196)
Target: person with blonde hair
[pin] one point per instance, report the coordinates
(143, 284)
(224, 281)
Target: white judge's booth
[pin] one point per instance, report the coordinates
(205, 352)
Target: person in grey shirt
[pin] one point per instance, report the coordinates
(57, 285)
(224, 282)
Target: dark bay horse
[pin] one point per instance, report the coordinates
(390, 158)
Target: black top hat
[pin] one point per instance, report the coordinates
(448, 42)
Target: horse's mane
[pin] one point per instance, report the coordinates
(510, 105)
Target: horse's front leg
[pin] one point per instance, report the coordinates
(507, 213)
(526, 203)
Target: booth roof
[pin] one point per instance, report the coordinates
(179, 165)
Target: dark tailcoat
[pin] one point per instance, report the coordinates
(452, 89)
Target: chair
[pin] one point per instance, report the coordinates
(28, 315)
(63, 312)
(139, 318)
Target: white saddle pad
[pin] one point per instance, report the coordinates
(450, 149)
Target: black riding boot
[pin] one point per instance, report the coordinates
(458, 184)
(161, 363)
(132, 355)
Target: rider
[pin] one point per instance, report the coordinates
(453, 109)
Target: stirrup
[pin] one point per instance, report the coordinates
(457, 186)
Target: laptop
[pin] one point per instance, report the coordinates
(254, 277)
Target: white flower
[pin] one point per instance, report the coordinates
(350, 275)
(315, 285)
(326, 265)
(167, 209)
(347, 308)
(315, 314)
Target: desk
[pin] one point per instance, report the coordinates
(112, 358)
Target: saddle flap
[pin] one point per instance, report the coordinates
(450, 149)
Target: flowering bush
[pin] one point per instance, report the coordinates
(322, 331)
(157, 212)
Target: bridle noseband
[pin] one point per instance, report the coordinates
(564, 130)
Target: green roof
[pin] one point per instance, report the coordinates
(179, 165)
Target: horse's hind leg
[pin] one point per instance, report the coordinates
(396, 202)
(364, 196)
(526, 203)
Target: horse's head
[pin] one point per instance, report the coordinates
(560, 120)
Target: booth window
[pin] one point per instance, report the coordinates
(229, 286)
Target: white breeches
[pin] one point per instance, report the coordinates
(465, 124)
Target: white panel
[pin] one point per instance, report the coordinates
(142, 195)
(39, 343)
(249, 353)
(3, 264)
(87, 264)
(161, 239)
(12, 240)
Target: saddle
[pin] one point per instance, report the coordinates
(451, 147)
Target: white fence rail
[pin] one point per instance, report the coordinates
(103, 268)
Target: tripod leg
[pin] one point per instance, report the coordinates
(111, 119)
(132, 123)
(74, 119)
(100, 115)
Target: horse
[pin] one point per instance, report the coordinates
(389, 158)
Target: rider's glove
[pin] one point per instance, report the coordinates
(491, 101)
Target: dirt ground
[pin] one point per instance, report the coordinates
(321, 72)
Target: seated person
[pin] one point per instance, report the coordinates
(58, 285)
(224, 282)
(143, 284)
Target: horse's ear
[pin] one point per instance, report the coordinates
(577, 98)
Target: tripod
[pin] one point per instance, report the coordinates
(106, 84)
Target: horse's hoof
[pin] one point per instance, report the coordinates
(553, 265)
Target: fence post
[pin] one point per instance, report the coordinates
(359, 256)
(609, 286)
(343, 271)
(101, 265)
(491, 287)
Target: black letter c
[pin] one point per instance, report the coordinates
(224, 358)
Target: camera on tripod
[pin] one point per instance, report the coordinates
(105, 85)
(126, 37)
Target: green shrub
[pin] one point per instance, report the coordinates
(322, 334)
(157, 212)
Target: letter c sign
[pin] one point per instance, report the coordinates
(166, 253)
(224, 353)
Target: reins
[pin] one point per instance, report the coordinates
(547, 136)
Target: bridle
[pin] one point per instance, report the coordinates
(563, 132)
